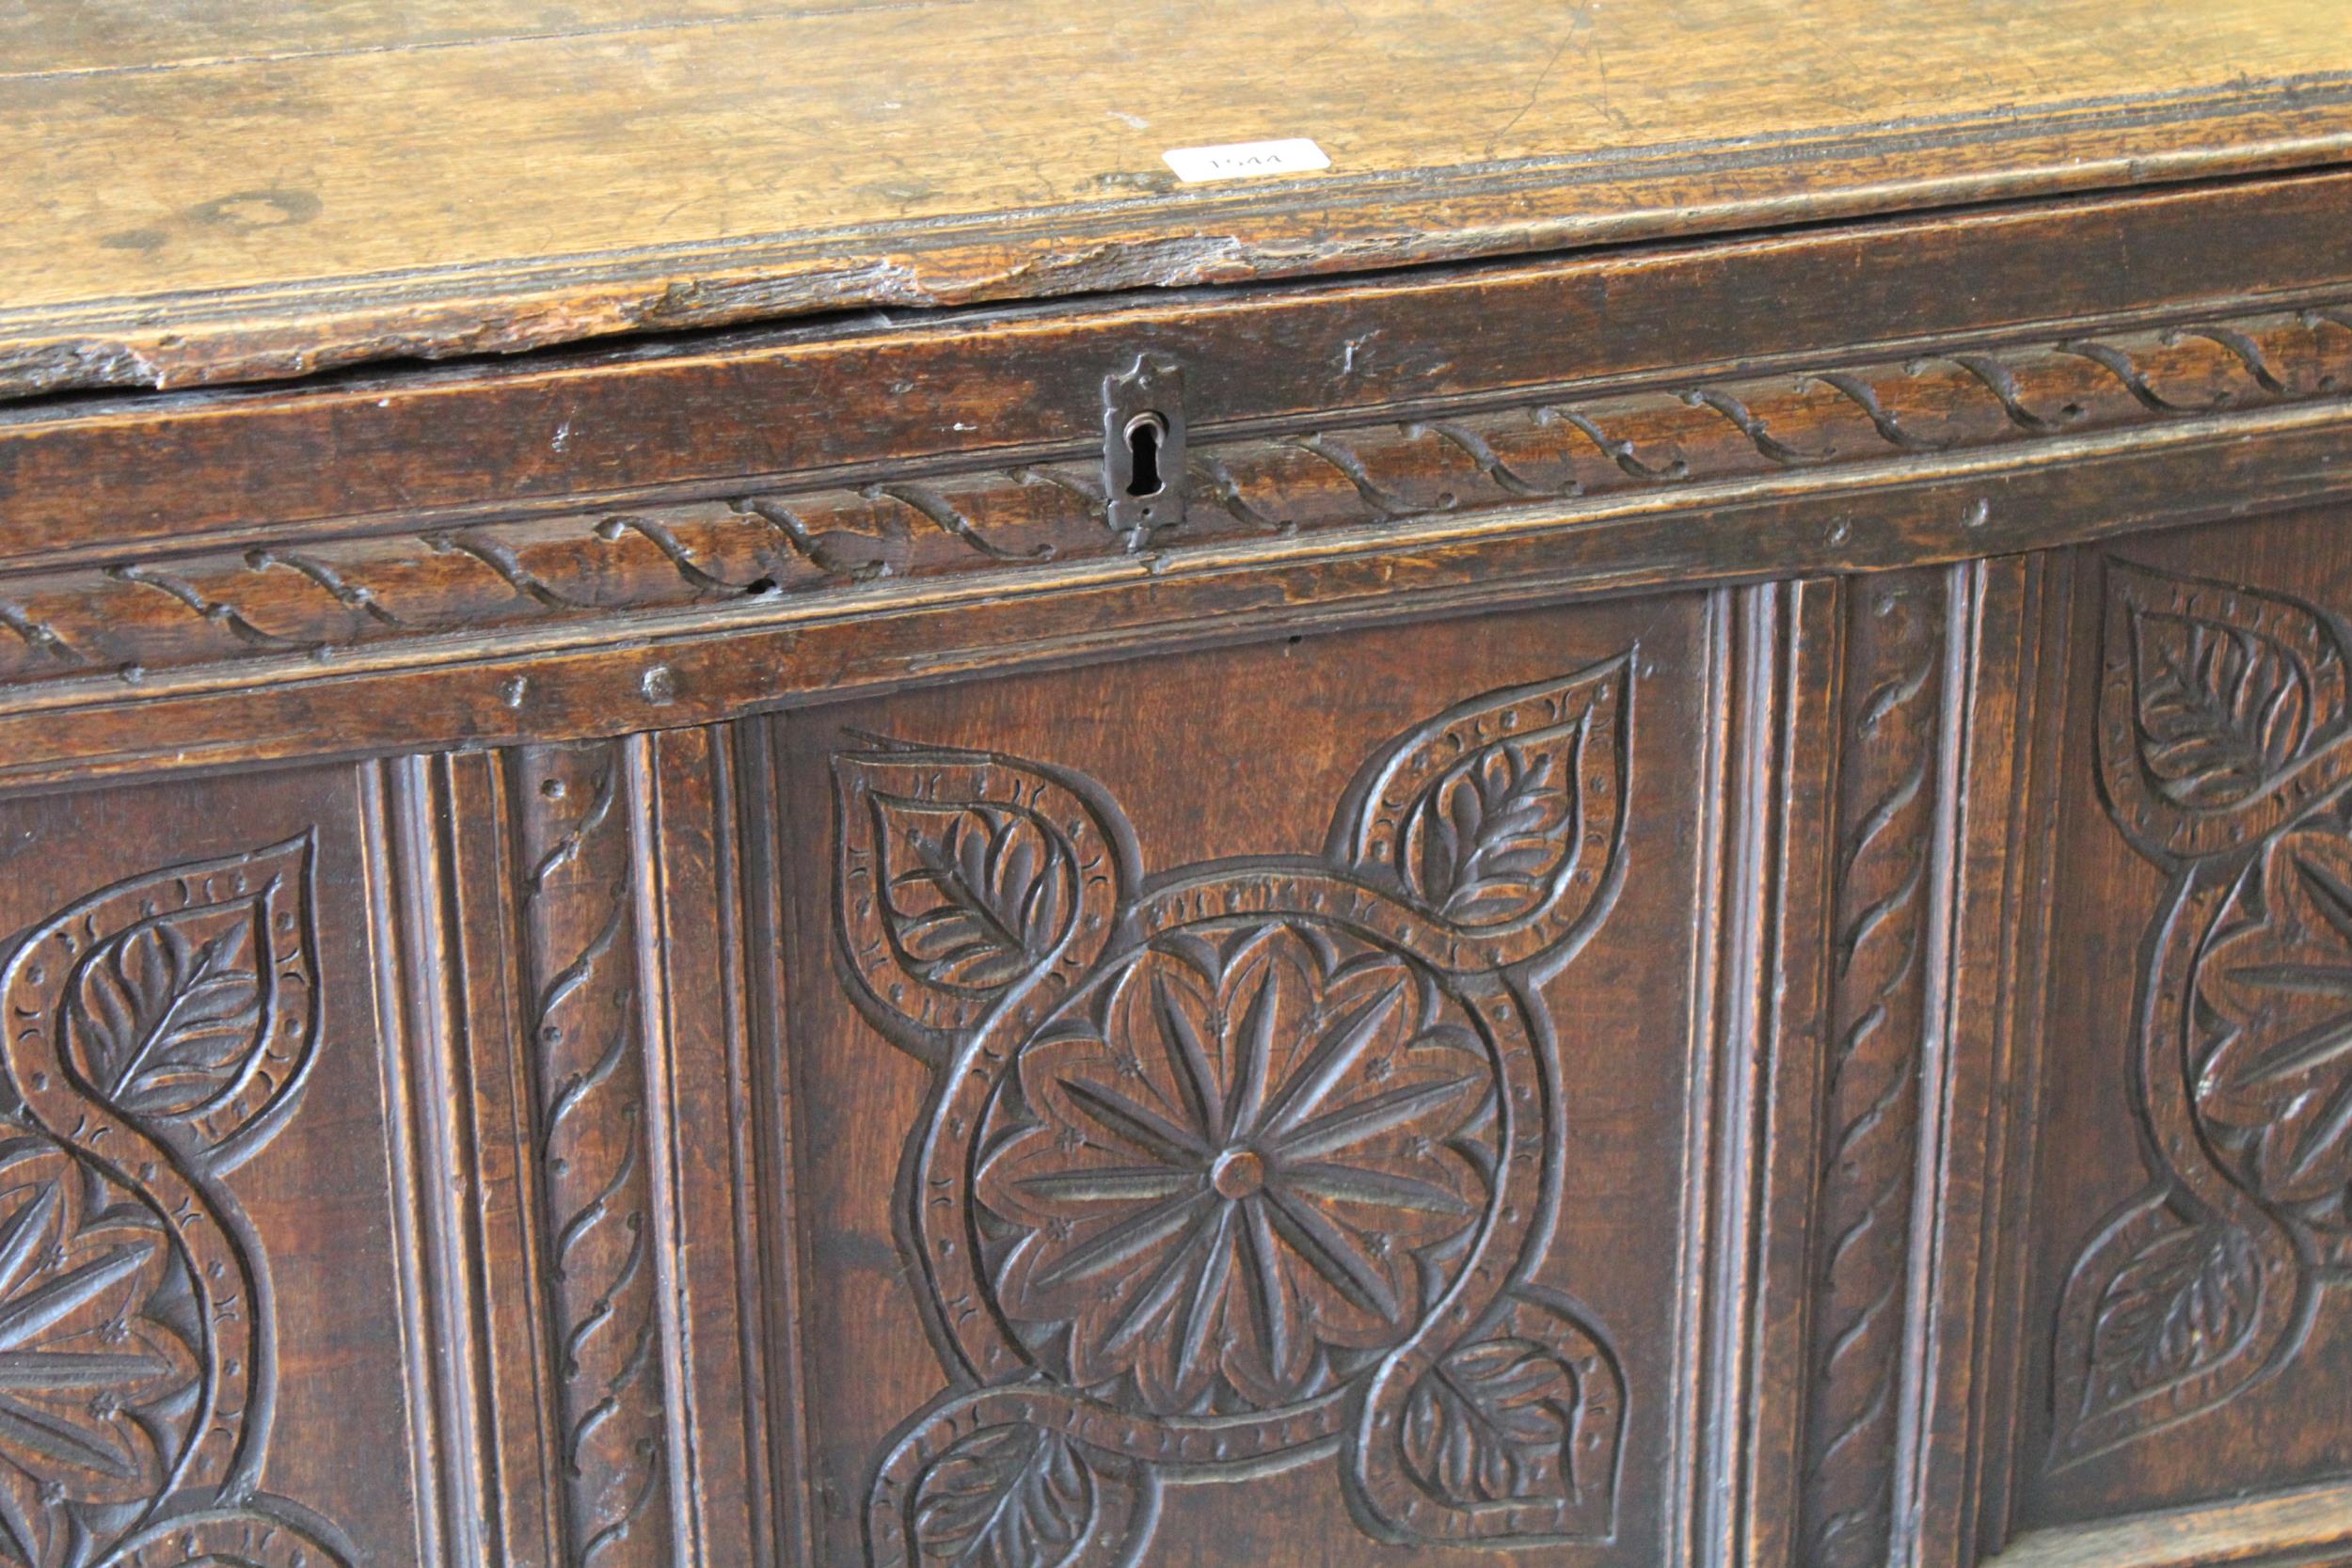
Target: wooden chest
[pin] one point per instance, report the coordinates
(761, 806)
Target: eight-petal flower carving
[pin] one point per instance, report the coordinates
(1249, 1150)
(2279, 989)
(99, 1367)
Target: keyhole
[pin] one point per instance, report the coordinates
(1144, 435)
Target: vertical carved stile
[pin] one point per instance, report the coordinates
(408, 808)
(586, 1038)
(1886, 826)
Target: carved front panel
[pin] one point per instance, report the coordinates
(2196, 1144)
(1237, 1100)
(200, 1304)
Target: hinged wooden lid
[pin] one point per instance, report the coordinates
(201, 191)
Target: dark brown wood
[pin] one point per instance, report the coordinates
(2230, 1087)
(1681, 905)
(945, 390)
(1313, 953)
(593, 1130)
(1888, 864)
(323, 599)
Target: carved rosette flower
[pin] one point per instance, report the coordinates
(1250, 1152)
(101, 1354)
(1227, 1167)
(2275, 1092)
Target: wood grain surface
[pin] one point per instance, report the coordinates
(205, 192)
(2309, 1528)
(1682, 900)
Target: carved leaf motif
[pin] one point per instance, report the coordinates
(2222, 709)
(188, 998)
(1500, 818)
(1007, 1496)
(962, 876)
(1513, 1436)
(2164, 1317)
(1492, 831)
(977, 895)
(2177, 1305)
(166, 1013)
(1492, 1422)
(2222, 712)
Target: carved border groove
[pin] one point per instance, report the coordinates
(1892, 727)
(324, 598)
(586, 1041)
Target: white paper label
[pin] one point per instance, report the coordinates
(1241, 160)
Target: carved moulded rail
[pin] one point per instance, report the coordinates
(324, 598)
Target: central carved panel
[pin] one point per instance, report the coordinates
(1249, 1165)
(2225, 754)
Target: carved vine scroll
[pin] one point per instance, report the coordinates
(1241, 1167)
(2225, 755)
(159, 1032)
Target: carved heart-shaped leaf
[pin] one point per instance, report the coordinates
(962, 876)
(1515, 1435)
(1006, 1497)
(2221, 708)
(187, 999)
(1492, 830)
(1499, 820)
(2217, 706)
(1492, 1422)
(2164, 1317)
(166, 1012)
(977, 895)
(2185, 1298)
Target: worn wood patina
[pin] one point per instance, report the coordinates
(759, 808)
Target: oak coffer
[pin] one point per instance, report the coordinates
(1187, 783)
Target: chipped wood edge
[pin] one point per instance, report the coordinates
(1293, 229)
